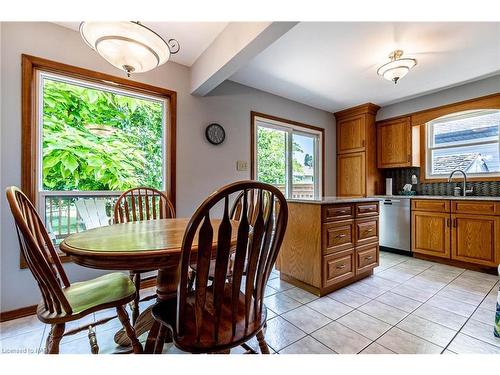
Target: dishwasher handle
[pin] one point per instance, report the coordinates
(388, 202)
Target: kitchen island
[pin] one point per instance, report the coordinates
(329, 243)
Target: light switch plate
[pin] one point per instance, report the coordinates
(241, 165)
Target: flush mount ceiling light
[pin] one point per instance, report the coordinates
(397, 68)
(129, 46)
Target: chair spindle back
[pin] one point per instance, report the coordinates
(39, 252)
(262, 216)
(142, 203)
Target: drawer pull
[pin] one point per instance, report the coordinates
(342, 266)
(340, 236)
(369, 258)
(369, 230)
(342, 212)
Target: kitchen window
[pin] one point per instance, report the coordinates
(288, 155)
(89, 138)
(469, 141)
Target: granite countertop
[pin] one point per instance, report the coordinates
(331, 200)
(450, 197)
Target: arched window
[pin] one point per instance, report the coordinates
(467, 140)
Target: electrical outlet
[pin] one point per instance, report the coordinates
(242, 165)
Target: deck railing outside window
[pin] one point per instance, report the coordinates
(68, 214)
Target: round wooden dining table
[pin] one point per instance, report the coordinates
(137, 246)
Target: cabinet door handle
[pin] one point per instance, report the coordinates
(455, 223)
(448, 222)
(363, 143)
(342, 266)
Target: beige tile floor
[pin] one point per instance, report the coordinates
(407, 306)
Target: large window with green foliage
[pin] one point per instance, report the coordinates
(95, 142)
(289, 157)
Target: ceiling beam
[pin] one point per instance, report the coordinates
(235, 46)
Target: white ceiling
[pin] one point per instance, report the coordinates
(194, 37)
(333, 65)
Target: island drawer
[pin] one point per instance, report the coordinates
(430, 205)
(338, 236)
(338, 267)
(366, 209)
(475, 207)
(367, 257)
(367, 231)
(338, 212)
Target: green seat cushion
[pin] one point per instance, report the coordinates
(106, 289)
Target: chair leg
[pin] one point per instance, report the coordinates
(149, 347)
(94, 348)
(135, 309)
(262, 343)
(124, 319)
(55, 336)
(160, 340)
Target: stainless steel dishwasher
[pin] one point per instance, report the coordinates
(395, 224)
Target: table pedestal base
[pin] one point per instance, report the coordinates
(166, 284)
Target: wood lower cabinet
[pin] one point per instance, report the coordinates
(367, 257)
(367, 231)
(431, 233)
(338, 212)
(338, 267)
(338, 236)
(462, 231)
(476, 239)
(328, 246)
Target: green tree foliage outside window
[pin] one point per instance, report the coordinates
(99, 140)
(271, 156)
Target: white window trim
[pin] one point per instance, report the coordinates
(41, 193)
(429, 145)
(292, 129)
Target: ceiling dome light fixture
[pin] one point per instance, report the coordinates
(127, 45)
(397, 68)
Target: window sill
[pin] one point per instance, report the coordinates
(456, 179)
(62, 257)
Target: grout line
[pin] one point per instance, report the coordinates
(469, 318)
(332, 320)
(370, 299)
(41, 346)
(392, 326)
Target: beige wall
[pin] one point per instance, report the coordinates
(201, 167)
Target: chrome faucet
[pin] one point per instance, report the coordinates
(464, 190)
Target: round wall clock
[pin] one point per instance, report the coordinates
(215, 134)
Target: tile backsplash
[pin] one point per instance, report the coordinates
(402, 176)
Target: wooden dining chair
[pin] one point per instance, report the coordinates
(217, 316)
(62, 301)
(234, 214)
(137, 204)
